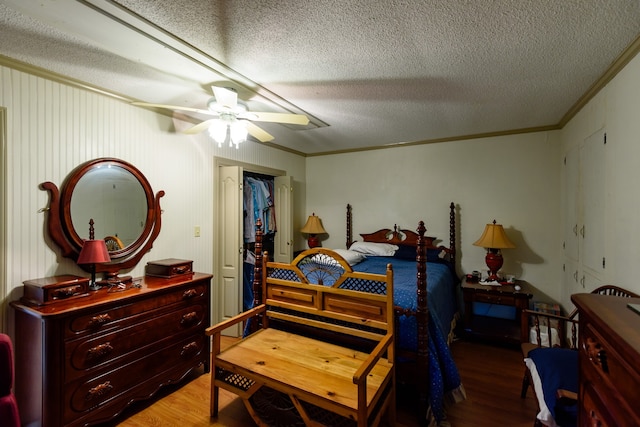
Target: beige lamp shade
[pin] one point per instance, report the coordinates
(313, 225)
(494, 237)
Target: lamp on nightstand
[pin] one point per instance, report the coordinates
(494, 239)
(93, 252)
(313, 227)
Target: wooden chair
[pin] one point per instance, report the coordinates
(113, 243)
(551, 361)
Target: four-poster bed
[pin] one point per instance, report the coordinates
(425, 306)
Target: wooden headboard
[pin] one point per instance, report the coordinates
(395, 237)
(404, 236)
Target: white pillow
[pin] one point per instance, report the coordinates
(352, 257)
(375, 249)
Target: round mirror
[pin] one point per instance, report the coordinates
(115, 200)
(119, 200)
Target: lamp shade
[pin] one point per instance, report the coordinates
(93, 252)
(494, 237)
(313, 225)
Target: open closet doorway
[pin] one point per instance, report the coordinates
(232, 241)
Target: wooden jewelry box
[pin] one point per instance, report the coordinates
(170, 267)
(48, 290)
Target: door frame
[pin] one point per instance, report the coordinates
(4, 285)
(219, 162)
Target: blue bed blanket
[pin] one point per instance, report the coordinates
(445, 386)
(444, 381)
(441, 294)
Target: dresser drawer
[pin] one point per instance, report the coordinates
(124, 384)
(133, 342)
(609, 372)
(495, 299)
(122, 315)
(593, 409)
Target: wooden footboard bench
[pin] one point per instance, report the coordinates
(321, 355)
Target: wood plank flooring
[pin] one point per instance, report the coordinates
(491, 375)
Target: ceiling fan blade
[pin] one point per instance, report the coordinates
(258, 133)
(225, 97)
(294, 119)
(200, 126)
(175, 107)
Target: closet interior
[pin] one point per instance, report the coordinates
(258, 202)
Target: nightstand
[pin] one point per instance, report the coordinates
(504, 329)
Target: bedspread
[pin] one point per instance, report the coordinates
(441, 294)
(445, 385)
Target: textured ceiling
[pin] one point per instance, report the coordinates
(368, 73)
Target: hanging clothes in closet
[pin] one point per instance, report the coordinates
(258, 202)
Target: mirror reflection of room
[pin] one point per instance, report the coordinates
(116, 201)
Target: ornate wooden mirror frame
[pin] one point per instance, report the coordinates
(60, 224)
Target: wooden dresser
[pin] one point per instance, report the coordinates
(84, 360)
(609, 358)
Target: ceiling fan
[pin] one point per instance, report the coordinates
(232, 120)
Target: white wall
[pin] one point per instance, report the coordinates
(616, 108)
(52, 128)
(512, 179)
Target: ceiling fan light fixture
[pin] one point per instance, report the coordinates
(218, 131)
(234, 121)
(238, 133)
(233, 131)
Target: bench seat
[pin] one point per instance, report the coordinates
(305, 367)
(321, 356)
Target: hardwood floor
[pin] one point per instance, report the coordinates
(491, 375)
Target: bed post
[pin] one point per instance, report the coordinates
(422, 319)
(257, 275)
(452, 232)
(349, 230)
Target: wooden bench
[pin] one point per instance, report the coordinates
(321, 355)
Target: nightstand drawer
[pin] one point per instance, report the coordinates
(495, 299)
(493, 312)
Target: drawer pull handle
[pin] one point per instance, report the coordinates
(595, 420)
(596, 354)
(98, 391)
(99, 320)
(189, 349)
(190, 293)
(99, 351)
(602, 358)
(189, 319)
(67, 292)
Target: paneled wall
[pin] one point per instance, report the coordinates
(53, 127)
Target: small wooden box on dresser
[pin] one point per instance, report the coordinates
(609, 361)
(82, 361)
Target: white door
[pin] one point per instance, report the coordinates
(283, 200)
(593, 159)
(229, 280)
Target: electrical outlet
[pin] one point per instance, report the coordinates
(196, 231)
